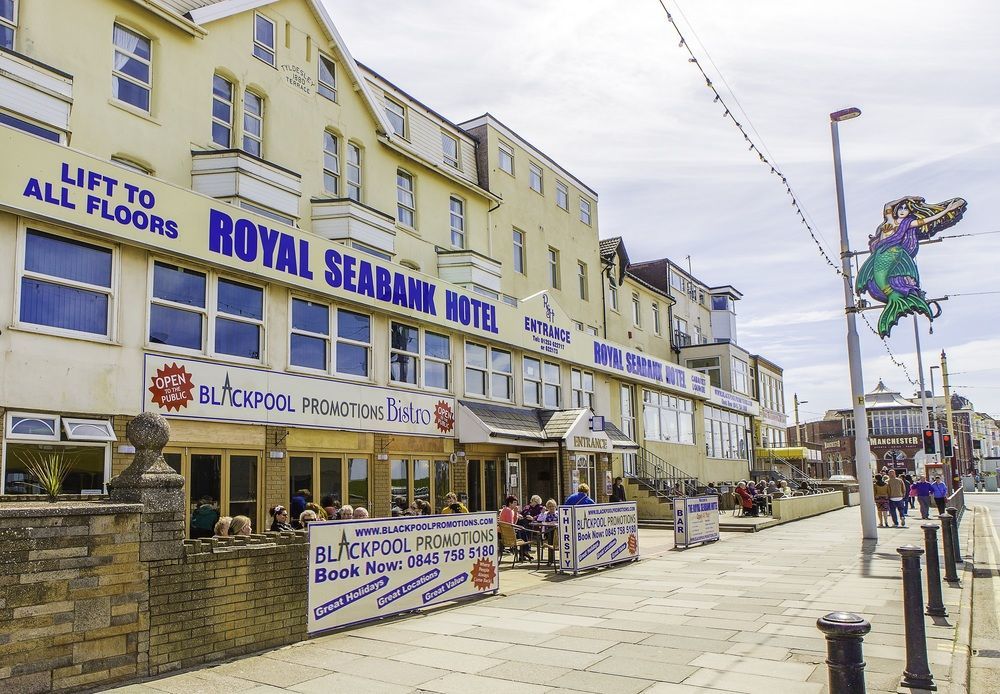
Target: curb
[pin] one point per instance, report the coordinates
(961, 661)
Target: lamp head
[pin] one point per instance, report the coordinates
(845, 114)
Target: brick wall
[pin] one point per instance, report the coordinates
(224, 599)
(73, 595)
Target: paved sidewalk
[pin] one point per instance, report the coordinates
(735, 616)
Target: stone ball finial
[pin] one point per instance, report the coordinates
(148, 432)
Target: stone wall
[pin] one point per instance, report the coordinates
(797, 507)
(73, 595)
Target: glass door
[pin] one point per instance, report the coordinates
(491, 486)
(243, 487)
(475, 479)
(442, 483)
(628, 427)
(205, 492)
(422, 480)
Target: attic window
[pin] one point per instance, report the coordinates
(263, 39)
(327, 83)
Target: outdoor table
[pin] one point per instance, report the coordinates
(542, 528)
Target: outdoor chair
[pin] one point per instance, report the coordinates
(510, 541)
(738, 506)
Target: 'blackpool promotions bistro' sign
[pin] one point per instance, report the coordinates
(362, 570)
(195, 389)
(597, 535)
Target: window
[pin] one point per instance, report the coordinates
(8, 23)
(531, 373)
(535, 177)
(131, 165)
(613, 297)
(505, 158)
(681, 336)
(720, 303)
(396, 113)
(585, 211)
(311, 345)
(457, 216)
(180, 310)
(253, 123)
(592, 329)
(562, 195)
(131, 78)
(66, 284)
(331, 163)
(222, 111)
(345, 479)
(34, 427)
(449, 148)
(88, 429)
(353, 172)
(656, 318)
(405, 357)
(29, 127)
(518, 251)
(551, 385)
(677, 282)
(405, 203)
(581, 277)
(553, 268)
(488, 372)
(741, 376)
(326, 85)
(263, 39)
(726, 434)
(582, 385)
(708, 366)
(668, 418)
(89, 466)
(636, 311)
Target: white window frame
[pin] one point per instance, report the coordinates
(421, 358)
(582, 396)
(553, 258)
(449, 159)
(331, 162)
(324, 88)
(106, 473)
(547, 383)
(11, 435)
(269, 52)
(426, 359)
(536, 178)
(111, 292)
(456, 221)
(562, 196)
(656, 318)
(583, 280)
(210, 313)
(354, 171)
(740, 378)
(520, 259)
(406, 209)
(489, 373)
(115, 73)
(613, 298)
(332, 338)
(72, 424)
(585, 213)
(660, 405)
(399, 112)
(504, 149)
(11, 23)
(259, 118)
(231, 104)
(536, 382)
(636, 311)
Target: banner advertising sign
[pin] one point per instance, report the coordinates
(597, 535)
(366, 569)
(195, 389)
(696, 519)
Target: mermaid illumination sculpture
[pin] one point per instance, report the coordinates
(889, 274)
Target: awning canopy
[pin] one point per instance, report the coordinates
(526, 426)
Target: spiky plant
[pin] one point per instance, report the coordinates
(49, 467)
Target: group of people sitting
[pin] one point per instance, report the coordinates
(420, 507)
(529, 518)
(895, 494)
(755, 495)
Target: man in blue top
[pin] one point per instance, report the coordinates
(581, 498)
(924, 490)
(940, 493)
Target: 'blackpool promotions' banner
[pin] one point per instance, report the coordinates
(365, 569)
(696, 519)
(597, 535)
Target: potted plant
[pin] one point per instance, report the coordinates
(50, 467)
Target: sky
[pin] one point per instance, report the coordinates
(603, 88)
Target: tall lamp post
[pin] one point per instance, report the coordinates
(863, 461)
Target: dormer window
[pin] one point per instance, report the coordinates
(396, 113)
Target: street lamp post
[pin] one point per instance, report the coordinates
(863, 461)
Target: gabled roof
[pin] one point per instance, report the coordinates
(613, 253)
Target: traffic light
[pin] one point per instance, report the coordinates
(929, 447)
(946, 448)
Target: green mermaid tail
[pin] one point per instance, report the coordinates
(899, 305)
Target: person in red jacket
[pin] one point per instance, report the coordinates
(746, 499)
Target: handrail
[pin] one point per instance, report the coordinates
(957, 500)
(661, 478)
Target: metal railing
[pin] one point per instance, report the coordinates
(661, 478)
(957, 500)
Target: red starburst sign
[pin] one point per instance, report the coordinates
(171, 387)
(483, 574)
(633, 544)
(444, 417)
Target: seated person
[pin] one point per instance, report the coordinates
(510, 514)
(746, 499)
(534, 507)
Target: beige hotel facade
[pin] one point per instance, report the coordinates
(210, 210)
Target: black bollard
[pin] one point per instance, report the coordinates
(917, 672)
(947, 538)
(935, 605)
(954, 534)
(845, 662)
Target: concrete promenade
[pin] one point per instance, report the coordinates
(735, 616)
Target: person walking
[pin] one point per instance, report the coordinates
(940, 493)
(897, 499)
(581, 498)
(617, 491)
(924, 492)
(882, 501)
